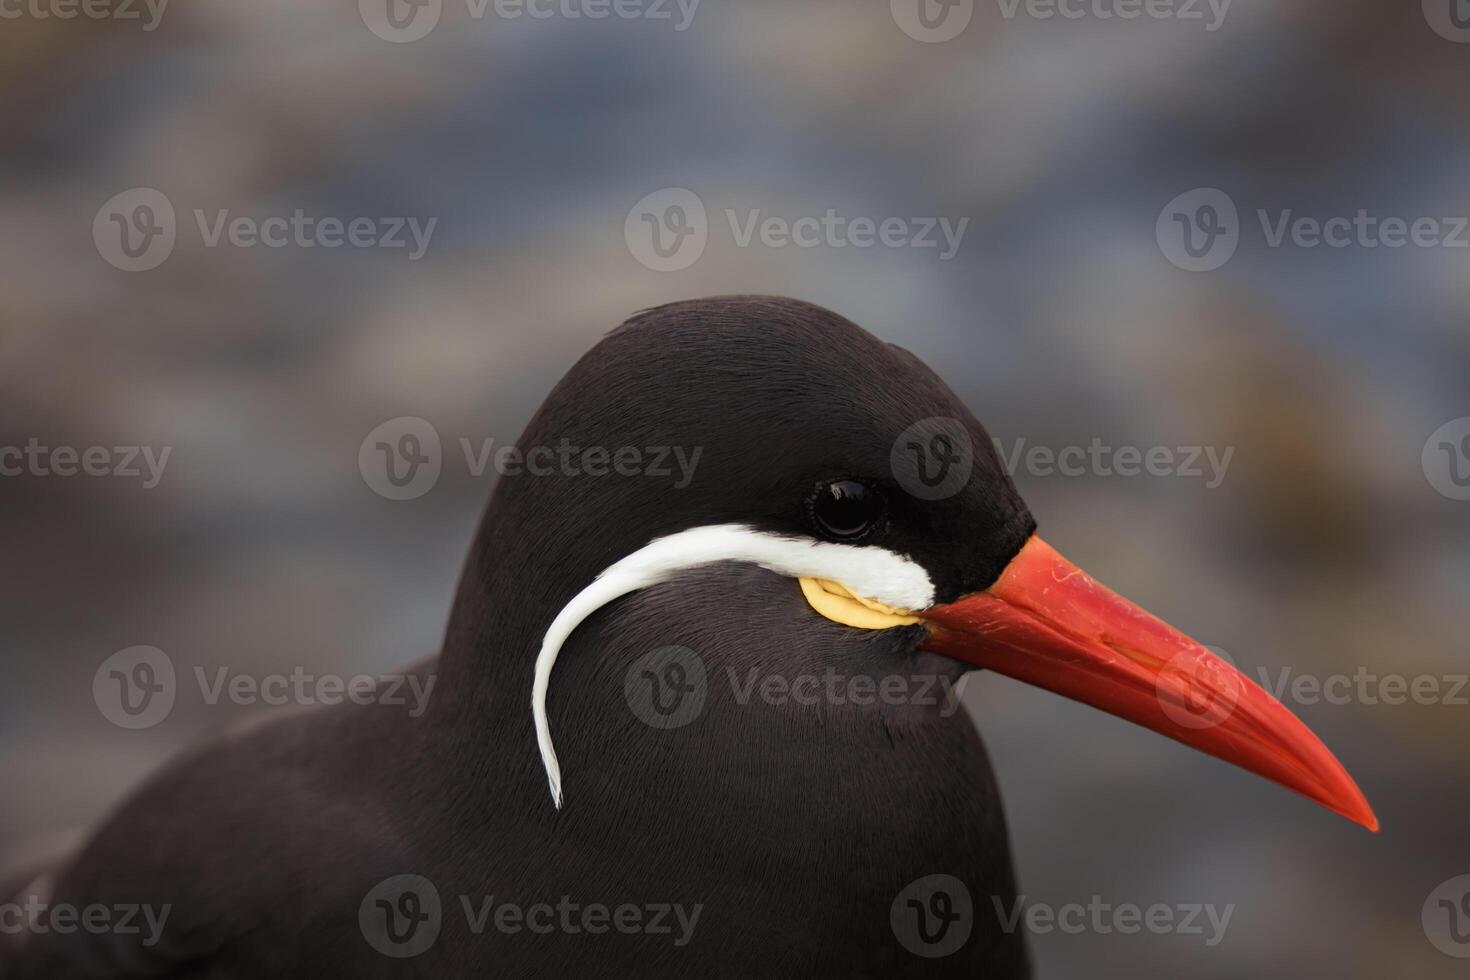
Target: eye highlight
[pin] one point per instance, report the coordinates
(844, 510)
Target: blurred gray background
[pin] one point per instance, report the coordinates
(1061, 319)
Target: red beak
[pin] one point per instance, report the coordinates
(1046, 622)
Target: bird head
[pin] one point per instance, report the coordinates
(844, 464)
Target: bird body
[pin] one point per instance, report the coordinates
(730, 681)
(786, 847)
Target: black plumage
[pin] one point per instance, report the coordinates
(792, 827)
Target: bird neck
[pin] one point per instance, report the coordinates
(506, 597)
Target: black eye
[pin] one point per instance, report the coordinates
(846, 509)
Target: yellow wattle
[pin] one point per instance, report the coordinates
(839, 604)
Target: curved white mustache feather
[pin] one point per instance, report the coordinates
(877, 573)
